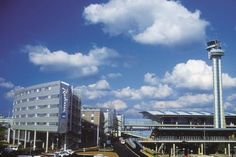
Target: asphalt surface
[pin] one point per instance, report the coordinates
(123, 151)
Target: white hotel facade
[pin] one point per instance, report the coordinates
(46, 116)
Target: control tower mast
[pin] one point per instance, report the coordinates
(214, 53)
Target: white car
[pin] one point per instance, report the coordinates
(12, 147)
(62, 153)
(70, 151)
(122, 141)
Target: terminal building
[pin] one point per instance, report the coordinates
(46, 115)
(192, 131)
(199, 132)
(175, 132)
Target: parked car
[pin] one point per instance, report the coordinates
(63, 153)
(12, 148)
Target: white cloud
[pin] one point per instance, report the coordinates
(185, 101)
(195, 74)
(133, 112)
(10, 86)
(94, 91)
(102, 89)
(144, 92)
(10, 94)
(116, 104)
(127, 92)
(112, 76)
(151, 79)
(78, 63)
(192, 74)
(228, 81)
(6, 84)
(100, 85)
(229, 107)
(231, 97)
(148, 22)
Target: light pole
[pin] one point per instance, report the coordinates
(204, 141)
(57, 143)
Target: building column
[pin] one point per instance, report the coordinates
(173, 149)
(65, 141)
(14, 137)
(97, 135)
(47, 135)
(34, 144)
(52, 146)
(18, 137)
(229, 149)
(25, 138)
(201, 148)
(8, 135)
(29, 136)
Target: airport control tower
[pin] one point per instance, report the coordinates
(215, 52)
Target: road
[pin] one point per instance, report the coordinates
(123, 151)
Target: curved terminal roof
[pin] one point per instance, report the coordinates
(185, 113)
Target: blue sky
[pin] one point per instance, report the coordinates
(131, 55)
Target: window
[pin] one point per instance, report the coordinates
(42, 106)
(54, 96)
(22, 123)
(30, 123)
(24, 100)
(23, 115)
(53, 115)
(53, 123)
(32, 99)
(31, 107)
(54, 105)
(48, 88)
(31, 115)
(23, 108)
(41, 114)
(43, 97)
(41, 123)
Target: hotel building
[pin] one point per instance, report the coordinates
(46, 115)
